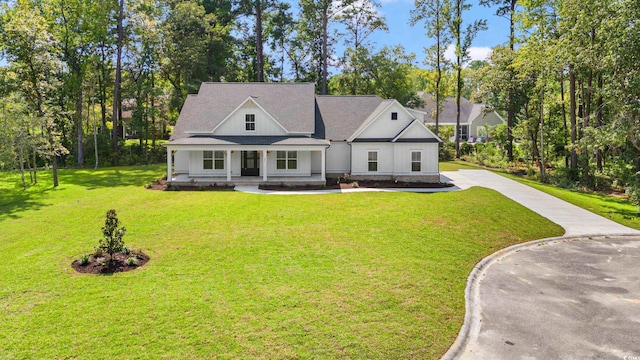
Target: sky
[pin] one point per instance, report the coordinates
(414, 39)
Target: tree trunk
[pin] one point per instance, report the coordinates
(458, 94)
(599, 121)
(116, 90)
(21, 159)
(572, 116)
(510, 95)
(564, 122)
(325, 60)
(259, 50)
(78, 118)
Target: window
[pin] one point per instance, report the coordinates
(416, 161)
(286, 160)
(218, 160)
(207, 160)
(250, 122)
(463, 132)
(373, 161)
(394, 116)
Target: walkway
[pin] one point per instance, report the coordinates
(575, 220)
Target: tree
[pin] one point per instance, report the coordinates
(31, 50)
(112, 241)
(507, 9)
(436, 15)
(463, 39)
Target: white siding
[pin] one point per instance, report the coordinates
(303, 168)
(196, 166)
(491, 119)
(235, 124)
(316, 162)
(181, 162)
(360, 163)
(339, 158)
(385, 128)
(429, 157)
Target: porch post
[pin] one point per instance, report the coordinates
(323, 161)
(228, 165)
(264, 165)
(169, 164)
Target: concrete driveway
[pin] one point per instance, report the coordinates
(574, 297)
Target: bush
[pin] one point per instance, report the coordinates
(355, 184)
(112, 241)
(84, 259)
(447, 151)
(132, 261)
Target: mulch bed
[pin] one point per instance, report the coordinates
(332, 184)
(102, 265)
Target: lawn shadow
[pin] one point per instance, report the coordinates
(13, 201)
(110, 177)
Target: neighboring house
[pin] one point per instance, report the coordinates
(473, 117)
(284, 133)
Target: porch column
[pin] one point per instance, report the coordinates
(323, 161)
(169, 164)
(228, 165)
(264, 165)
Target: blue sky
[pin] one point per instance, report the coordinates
(414, 39)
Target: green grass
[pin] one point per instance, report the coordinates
(233, 275)
(619, 210)
(456, 165)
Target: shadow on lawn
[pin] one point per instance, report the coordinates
(110, 177)
(13, 201)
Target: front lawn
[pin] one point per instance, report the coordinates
(233, 275)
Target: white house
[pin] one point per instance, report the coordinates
(284, 133)
(473, 117)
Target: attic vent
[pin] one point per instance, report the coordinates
(394, 116)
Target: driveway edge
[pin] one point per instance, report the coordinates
(471, 325)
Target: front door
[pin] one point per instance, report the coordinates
(250, 163)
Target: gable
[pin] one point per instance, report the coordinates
(292, 105)
(235, 123)
(381, 124)
(416, 132)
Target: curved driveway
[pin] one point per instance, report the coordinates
(575, 297)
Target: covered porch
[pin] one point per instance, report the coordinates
(201, 161)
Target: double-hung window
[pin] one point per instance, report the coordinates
(416, 161)
(250, 122)
(218, 160)
(207, 160)
(286, 160)
(372, 160)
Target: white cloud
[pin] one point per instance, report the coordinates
(475, 53)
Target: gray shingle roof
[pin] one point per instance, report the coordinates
(448, 113)
(343, 115)
(291, 104)
(250, 140)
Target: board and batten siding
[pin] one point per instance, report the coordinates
(394, 158)
(196, 166)
(338, 158)
(360, 154)
(429, 158)
(383, 127)
(303, 168)
(235, 124)
(181, 160)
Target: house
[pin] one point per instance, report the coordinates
(284, 133)
(473, 117)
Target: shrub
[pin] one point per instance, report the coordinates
(84, 259)
(112, 241)
(98, 253)
(132, 261)
(355, 184)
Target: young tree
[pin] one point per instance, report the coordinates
(112, 241)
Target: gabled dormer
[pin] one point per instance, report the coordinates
(389, 119)
(249, 119)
